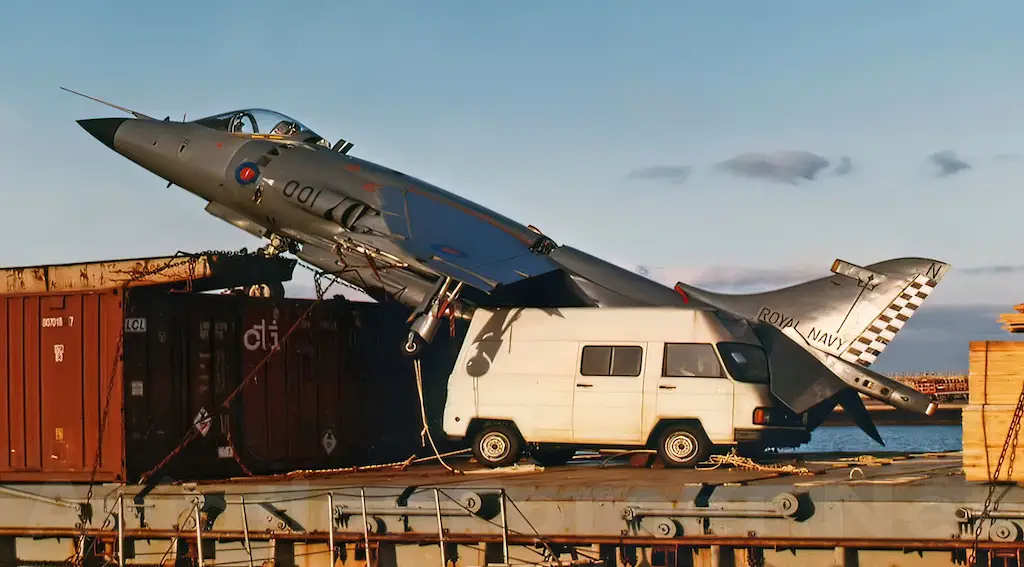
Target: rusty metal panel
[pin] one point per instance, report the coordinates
(301, 410)
(60, 352)
(205, 271)
(297, 410)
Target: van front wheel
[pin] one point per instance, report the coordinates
(683, 446)
(497, 446)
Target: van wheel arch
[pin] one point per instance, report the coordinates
(476, 424)
(659, 428)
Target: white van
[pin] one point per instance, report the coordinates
(549, 381)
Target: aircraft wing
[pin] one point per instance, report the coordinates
(462, 240)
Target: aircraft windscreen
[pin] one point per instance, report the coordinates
(259, 121)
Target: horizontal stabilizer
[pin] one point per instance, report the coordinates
(871, 383)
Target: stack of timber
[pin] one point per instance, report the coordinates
(1014, 322)
(996, 378)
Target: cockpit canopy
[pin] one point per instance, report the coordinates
(262, 121)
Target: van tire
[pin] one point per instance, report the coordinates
(497, 445)
(682, 445)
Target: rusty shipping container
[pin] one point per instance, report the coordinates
(57, 375)
(337, 393)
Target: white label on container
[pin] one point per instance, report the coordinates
(137, 388)
(58, 353)
(49, 322)
(225, 452)
(135, 325)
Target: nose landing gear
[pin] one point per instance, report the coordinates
(427, 317)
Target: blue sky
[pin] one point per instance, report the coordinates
(543, 110)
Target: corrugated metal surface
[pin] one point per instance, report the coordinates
(337, 393)
(320, 401)
(59, 353)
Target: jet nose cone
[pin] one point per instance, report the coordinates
(103, 129)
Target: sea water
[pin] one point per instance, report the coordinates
(898, 438)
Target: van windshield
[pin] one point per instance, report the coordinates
(745, 362)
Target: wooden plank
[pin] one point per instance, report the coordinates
(985, 429)
(996, 372)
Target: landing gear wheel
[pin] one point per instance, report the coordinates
(413, 345)
(497, 446)
(683, 446)
(553, 457)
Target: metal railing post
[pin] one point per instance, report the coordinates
(366, 523)
(504, 529)
(440, 527)
(330, 525)
(199, 537)
(245, 531)
(120, 530)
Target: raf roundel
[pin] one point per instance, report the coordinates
(247, 173)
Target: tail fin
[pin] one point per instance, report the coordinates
(852, 314)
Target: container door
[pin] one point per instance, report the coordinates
(609, 393)
(61, 364)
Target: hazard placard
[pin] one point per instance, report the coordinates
(202, 421)
(328, 440)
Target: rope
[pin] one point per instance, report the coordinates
(423, 417)
(746, 463)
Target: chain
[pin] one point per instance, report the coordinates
(226, 404)
(1009, 444)
(85, 514)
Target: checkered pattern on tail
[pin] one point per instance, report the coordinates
(866, 348)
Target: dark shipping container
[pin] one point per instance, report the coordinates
(337, 393)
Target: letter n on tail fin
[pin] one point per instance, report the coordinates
(873, 340)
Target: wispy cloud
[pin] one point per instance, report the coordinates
(782, 166)
(744, 279)
(844, 167)
(731, 277)
(672, 174)
(948, 163)
(992, 270)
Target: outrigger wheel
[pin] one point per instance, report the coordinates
(426, 318)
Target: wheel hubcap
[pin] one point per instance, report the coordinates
(680, 446)
(494, 446)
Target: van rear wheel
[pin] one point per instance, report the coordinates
(683, 446)
(497, 446)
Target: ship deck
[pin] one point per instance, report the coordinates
(877, 507)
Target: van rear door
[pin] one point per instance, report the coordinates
(609, 393)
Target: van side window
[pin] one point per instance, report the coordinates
(611, 361)
(688, 359)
